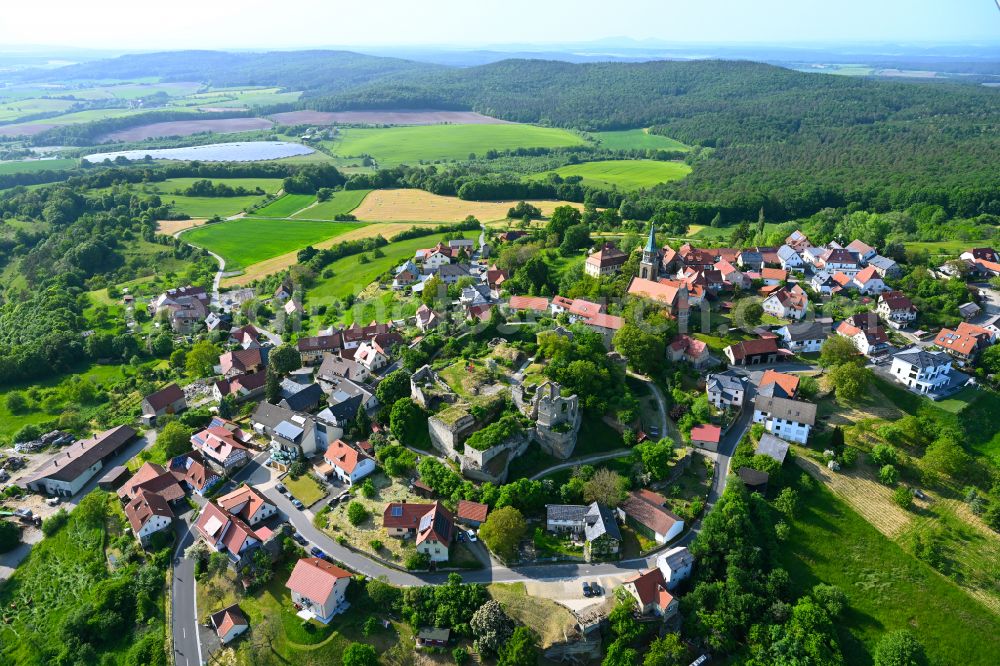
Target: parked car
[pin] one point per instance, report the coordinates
(316, 552)
(472, 535)
(299, 538)
(586, 590)
(280, 488)
(297, 504)
(919, 494)
(461, 536)
(596, 590)
(52, 501)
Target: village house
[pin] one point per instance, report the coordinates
(921, 370)
(773, 276)
(66, 473)
(312, 349)
(965, 342)
(969, 310)
(372, 356)
(885, 267)
(532, 304)
(841, 260)
(299, 397)
(706, 437)
(346, 463)
(168, 400)
(292, 435)
(334, 367)
(184, 307)
(438, 256)
(426, 318)
(803, 338)
(319, 588)
(868, 281)
(870, 341)
(750, 260)
(595, 524)
(494, 278)
(431, 525)
(344, 398)
(148, 513)
(786, 418)
(247, 504)
(676, 565)
(649, 589)
(689, 350)
(798, 241)
(865, 251)
(242, 361)
(229, 623)
(191, 471)
(672, 294)
(152, 478)
(646, 511)
(787, 303)
(789, 258)
(730, 275)
(725, 389)
(606, 261)
(226, 533)
(753, 352)
(822, 282)
(405, 275)
(432, 637)
(241, 387)
(223, 444)
(245, 337)
(896, 308)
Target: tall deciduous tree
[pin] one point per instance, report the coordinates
(605, 487)
(503, 530)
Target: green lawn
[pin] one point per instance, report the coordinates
(350, 276)
(30, 166)
(305, 489)
(626, 174)
(247, 240)
(340, 203)
(410, 145)
(887, 589)
(286, 205)
(637, 139)
(950, 248)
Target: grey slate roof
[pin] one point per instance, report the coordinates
(299, 397)
(922, 358)
(575, 512)
(808, 331)
(784, 408)
(600, 520)
(724, 382)
(772, 446)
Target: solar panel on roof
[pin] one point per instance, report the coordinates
(397, 511)
(287, 430)
(425, 522)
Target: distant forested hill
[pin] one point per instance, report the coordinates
(325, 71)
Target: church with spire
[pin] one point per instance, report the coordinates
(673, 294)
(649, 267)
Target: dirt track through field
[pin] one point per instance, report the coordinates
(385, 118)
(419, 206)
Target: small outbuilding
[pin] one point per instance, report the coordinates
(229, 623)
(753, 479)
(433, 637)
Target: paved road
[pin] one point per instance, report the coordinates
(183, 606)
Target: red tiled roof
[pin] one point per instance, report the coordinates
(144, 506)
(668, 292)
(472, 510)
(339, 454)
(168, 395)
(601, 320)
(751, 347)
(774, 274)
(240, 359)
(790, 383)
(608, 255)
(536, 303)
(228, 618)
(246, 499)
(706, 433)
(867, 274)
(646, 508)
(315, 579)
(651, 587)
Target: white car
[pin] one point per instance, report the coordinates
(472, 535)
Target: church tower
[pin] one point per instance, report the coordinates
(647, 267)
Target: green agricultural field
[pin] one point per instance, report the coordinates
(340, 203)
(91, 115)
(286, 205)
(30, 166)
(351, 277)
(626, 174)
(209, 206)
(410, 145)
(722, 233)
(247, 240)
(887, 589)
(11, 111)
(637, 139)
(269, 185)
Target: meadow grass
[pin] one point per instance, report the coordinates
(637, 139)
(340, 203)
(351, 277)
(246, 241)
(170, 185)
(626, 174)
(941, 248)
(428, 143)
(286, 205)
(209, 206)
(11, 111)
(30, 166)
(887, 589)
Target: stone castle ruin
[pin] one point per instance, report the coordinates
(557, 419)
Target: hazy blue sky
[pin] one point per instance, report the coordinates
(297, 23)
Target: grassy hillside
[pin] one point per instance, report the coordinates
(624, 174)
(270, 238)
(340, 203)
(637, 139)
